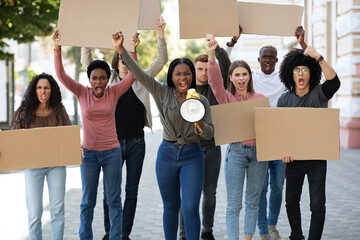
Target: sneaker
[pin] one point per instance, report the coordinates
(106, 237)
(265, 237)
(274, 233)
(207, 236)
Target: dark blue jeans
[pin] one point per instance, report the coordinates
(110, 162)
(316, 175)
(212, 161)
(133, 153)
(180, 168)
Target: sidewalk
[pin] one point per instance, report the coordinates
(342, 217)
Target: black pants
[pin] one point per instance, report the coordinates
(316, 174)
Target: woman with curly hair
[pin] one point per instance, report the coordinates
(240, 158)
(41, 107)
(300, 71)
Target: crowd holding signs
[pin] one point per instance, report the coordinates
(262, 140)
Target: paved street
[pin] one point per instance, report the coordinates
(342, 217)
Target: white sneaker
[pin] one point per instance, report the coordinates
(274, 233)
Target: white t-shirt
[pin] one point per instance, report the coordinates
(268, 85)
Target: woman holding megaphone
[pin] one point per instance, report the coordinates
(179, 163)
(240, 158)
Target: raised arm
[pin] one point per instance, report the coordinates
(328, 71)
(223, 58)
(332, 83)
(300, 36)
(72, 85)
(144, 78)
(162, 54)
(86, 57)
(214, 75)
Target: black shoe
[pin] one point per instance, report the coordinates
(125, 238)
(207, 236)
(182, 238)
(106, 237)
(296, 238)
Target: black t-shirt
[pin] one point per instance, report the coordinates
(130, 116)
(318, 97)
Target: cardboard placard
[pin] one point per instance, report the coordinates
(302, 133)
(235, 122)
(40, 147)
(91, 23)
(197, 18)
(150, 12)
(269, 19)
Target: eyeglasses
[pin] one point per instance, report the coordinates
(297, 70)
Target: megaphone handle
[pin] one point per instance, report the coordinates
(198, 129)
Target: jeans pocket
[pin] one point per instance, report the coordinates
(139, 141)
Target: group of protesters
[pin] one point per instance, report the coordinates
(116, 108)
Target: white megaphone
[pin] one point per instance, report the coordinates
(192, 110)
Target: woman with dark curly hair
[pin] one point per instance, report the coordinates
(300, 71)
(41, 107)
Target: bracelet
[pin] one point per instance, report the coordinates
(320, 59)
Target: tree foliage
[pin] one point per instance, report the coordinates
(23, 20)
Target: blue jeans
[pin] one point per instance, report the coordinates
(212, 161)
(133, 153)
(240, 161)
(110, 161)
(180, 168)
(34, 180)
(276, 171)
(316, 175)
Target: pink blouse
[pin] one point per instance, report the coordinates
(98, 114)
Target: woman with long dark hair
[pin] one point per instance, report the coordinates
(179, 163)
(42, 107)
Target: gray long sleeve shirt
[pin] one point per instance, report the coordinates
(176, 129)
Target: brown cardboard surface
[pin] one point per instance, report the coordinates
(269, 19)
(302, 133)
(40, 147)
(197, 18)
(235, 122)
(91, 23)
(150, 12)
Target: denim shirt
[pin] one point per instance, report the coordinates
(176, 129)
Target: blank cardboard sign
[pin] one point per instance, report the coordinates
(269, 19)
(197, 18)
(150, 12)
(40, 147)
(91, 23)
(302, 133)
(235, 122)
